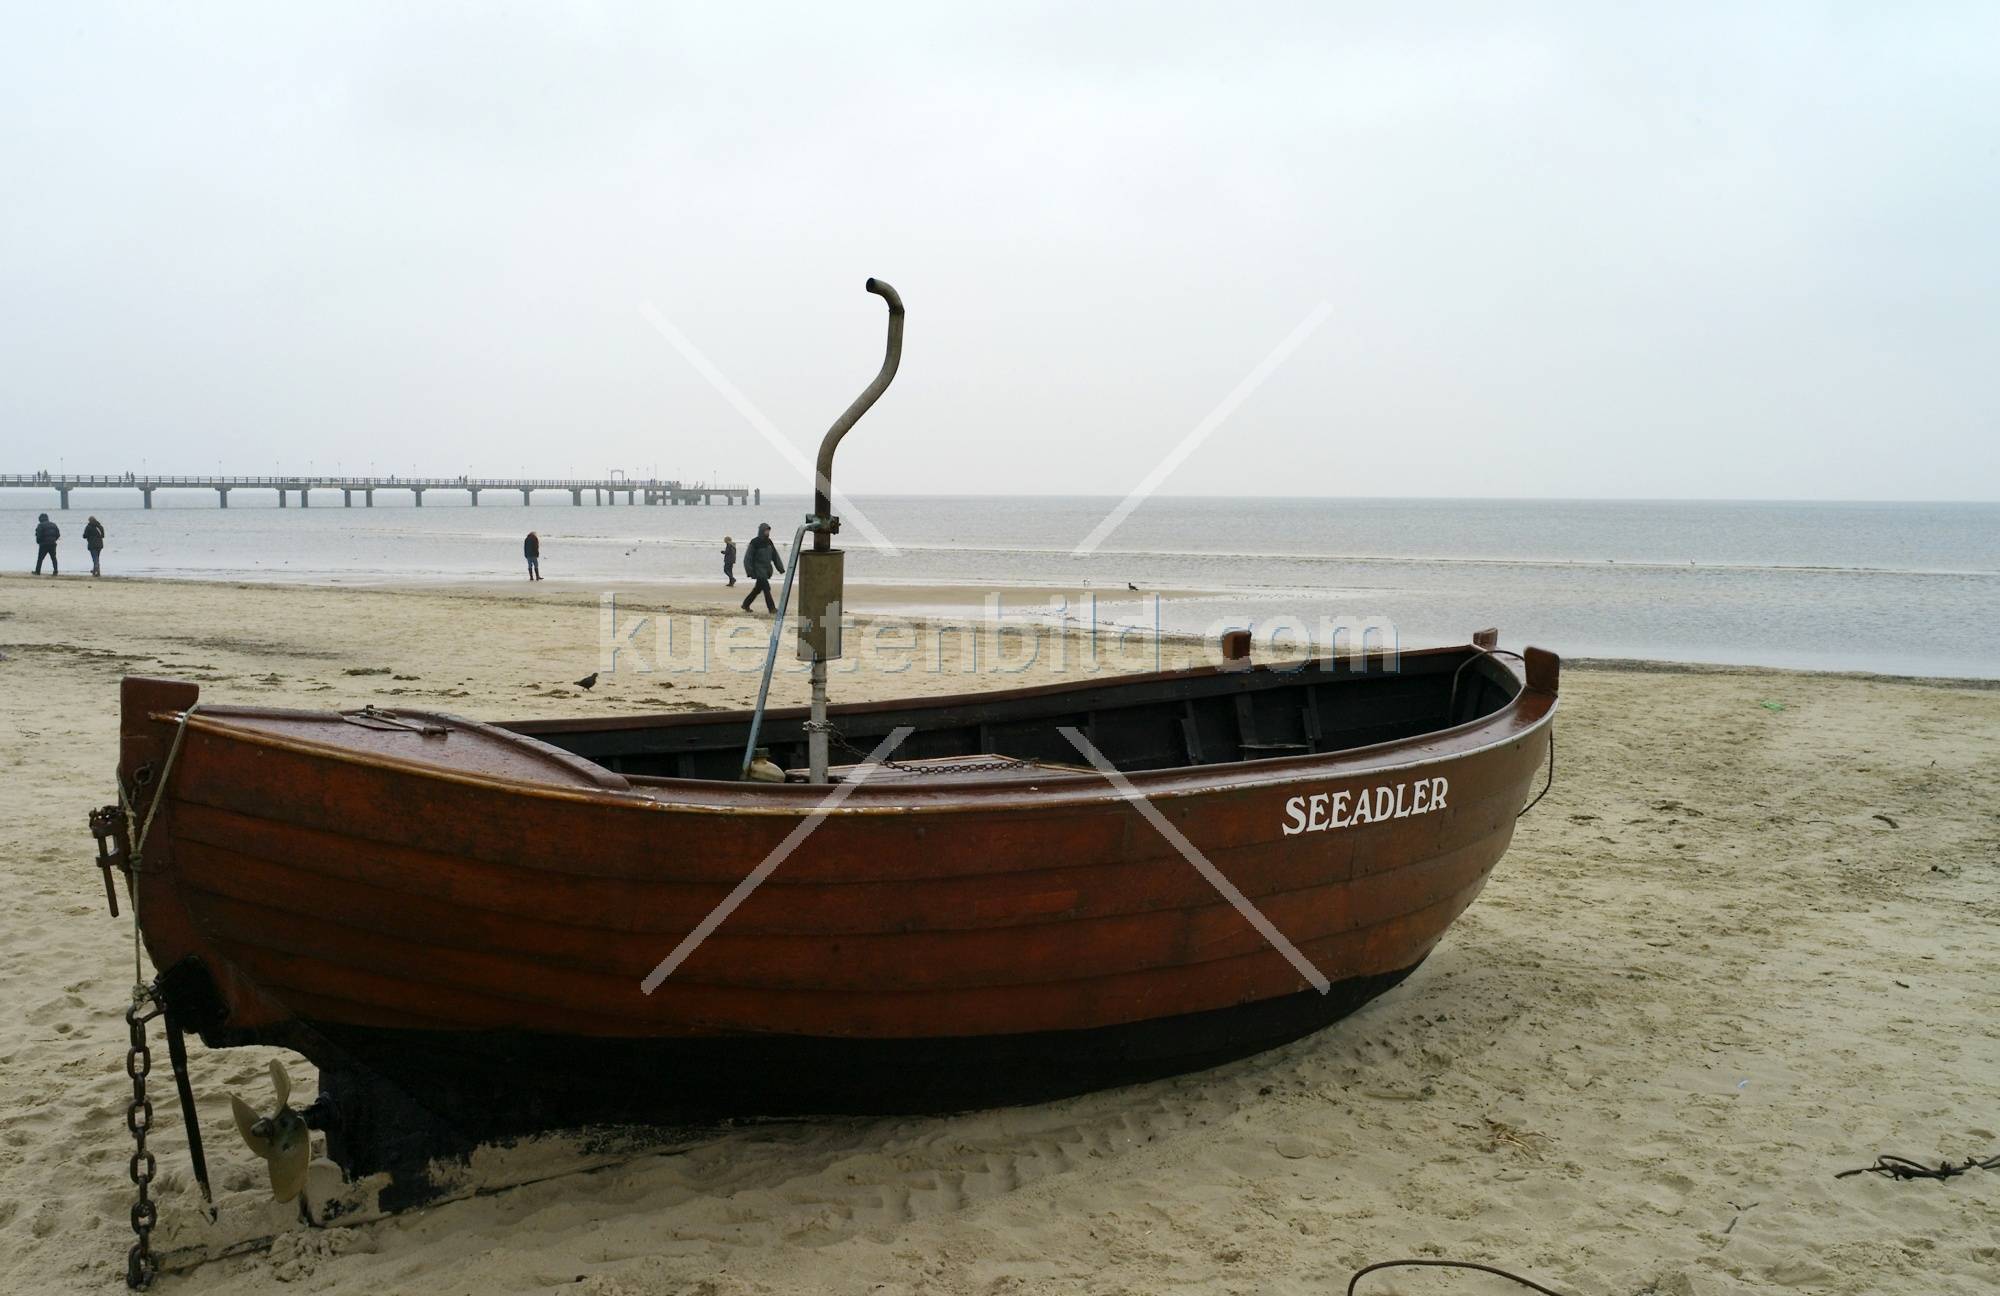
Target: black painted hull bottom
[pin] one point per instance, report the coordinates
(394, 1099)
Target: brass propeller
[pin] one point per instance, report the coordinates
(281, 1138)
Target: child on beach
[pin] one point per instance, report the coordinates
(531, 549)
(729, 560)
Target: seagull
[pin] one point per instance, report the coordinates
(588, 682)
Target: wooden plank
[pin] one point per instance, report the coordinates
(243, 899)
(439, 985)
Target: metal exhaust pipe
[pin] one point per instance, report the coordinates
(820, 569)
(823, 469)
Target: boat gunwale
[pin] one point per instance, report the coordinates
(1529, 711)
(1204, 670)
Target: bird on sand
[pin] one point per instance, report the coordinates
(1130, 586)
(588, 682)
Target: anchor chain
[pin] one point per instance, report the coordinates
(140, 1265)
(118, 846)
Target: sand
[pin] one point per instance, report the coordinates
(1746, 942)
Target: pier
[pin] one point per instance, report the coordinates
(602, 490)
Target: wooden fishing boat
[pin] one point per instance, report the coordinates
(478, 930)
(455, 919)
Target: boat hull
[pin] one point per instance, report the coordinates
(504, 1083)
(481, 923)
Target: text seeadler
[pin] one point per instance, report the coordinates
(1348, 809)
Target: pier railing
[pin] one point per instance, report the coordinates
(648, 490)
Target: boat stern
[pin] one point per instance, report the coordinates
(149, 709)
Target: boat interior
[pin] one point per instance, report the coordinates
(1208, 716)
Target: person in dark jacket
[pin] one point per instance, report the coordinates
(729, 560)
(93, 540)
(46, 535)
(759, 561)
(531, 549)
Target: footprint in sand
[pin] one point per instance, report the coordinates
(47, 1219)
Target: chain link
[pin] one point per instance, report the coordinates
(918, 765)
(140, 1265)
(997, 765)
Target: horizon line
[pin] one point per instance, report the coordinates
(787, 494)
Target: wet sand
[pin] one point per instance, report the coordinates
(936, 600)
(1746, 942)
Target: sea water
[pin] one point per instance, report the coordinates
(1899, 588)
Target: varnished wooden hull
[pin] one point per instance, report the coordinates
(448, 912)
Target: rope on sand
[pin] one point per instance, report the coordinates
(1529, 1283)
(1886, 1165)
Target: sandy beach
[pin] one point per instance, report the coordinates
(1746, 942)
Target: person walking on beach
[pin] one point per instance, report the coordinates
(46, 535)
(93, 540)
(531, 549)
(759, 561)
(729, 560)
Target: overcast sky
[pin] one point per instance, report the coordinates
(1728, 251)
